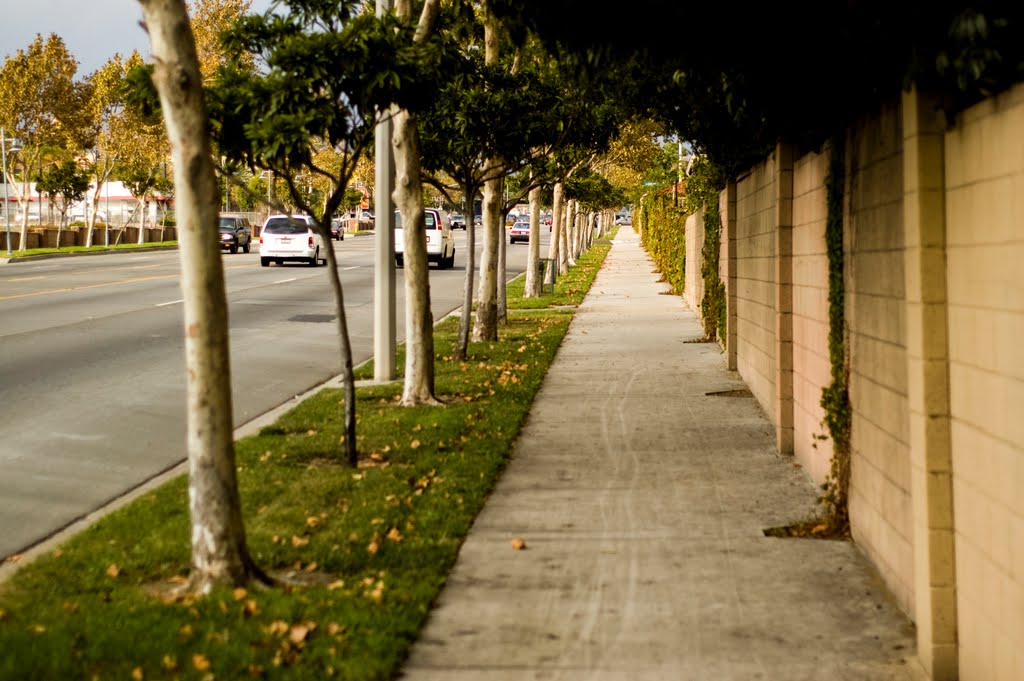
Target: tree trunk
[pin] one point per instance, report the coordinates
(462, 341)
(532, 288)
(419, 322)
(408, 196)
(347, 368)
(557, 223)
(486, 326)
(219, 552)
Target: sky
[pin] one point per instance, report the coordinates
(93, 30)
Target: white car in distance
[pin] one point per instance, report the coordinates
(291, 237)
(440, 239)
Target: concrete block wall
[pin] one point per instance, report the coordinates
(693, 288)
(880, 500)
(984, 164)
(755, 282)
(811, 364)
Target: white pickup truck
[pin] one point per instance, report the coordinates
(440, 239)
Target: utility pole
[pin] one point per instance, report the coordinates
(384, 302)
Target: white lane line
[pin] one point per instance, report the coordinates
(173, 302)
(346, 269)
(285, 281)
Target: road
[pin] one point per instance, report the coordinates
(92, 390)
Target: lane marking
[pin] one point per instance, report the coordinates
(285, 281)
(24, 278)
(82, 288)
(346, 269)
(173, 302)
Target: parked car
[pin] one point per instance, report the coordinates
(440, 240)
(458, 221)
(520, 232)
(235, 232)
(291, 237)
(338, 229)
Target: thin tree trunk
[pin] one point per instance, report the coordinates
(462, 341)
(557, 223)
(219, 552)
(347, 368)
(485, 327)
(501, 291)
(532, 288)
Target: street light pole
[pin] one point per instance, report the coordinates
(384, 303)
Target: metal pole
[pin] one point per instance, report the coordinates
(384, 336)
(7, 207)
(106, 220)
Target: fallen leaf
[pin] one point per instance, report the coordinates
(137, 674)
(310, 433)
(415, 444)
(518, 544)
(312, 567)
(277, 628)
(113, 571)
(185, 630)
(239, 593)
(14, 558)
(312, 521)
(57, 553)
(169, 663)
(334, 629)
(374, 546)
(299, 541)
(298, 633)
(394, 535)
(200, 662)
(336, 584)
(265, 456)
(250, 608)
(69, 607)
(377, 521)
(522, 348)
(38, 629)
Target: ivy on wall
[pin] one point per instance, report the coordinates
(712, 305)
(705, 183)
(835, 399)
(664, 237)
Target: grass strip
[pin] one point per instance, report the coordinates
(374, 545)
(28, 253)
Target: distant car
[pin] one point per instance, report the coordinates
(235, 232)
(458, 221)
(338, 229)
(291, 237)
(440, 240)
(520, 232)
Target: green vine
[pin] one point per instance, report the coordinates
(835, 399)
(664, 237)
(712, 305)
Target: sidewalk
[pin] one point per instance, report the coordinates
(642, 502)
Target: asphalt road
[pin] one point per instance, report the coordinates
(92, 391)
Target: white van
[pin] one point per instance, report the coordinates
(440, 240)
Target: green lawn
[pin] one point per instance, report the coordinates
(374, 546)
(28, 253)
